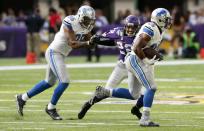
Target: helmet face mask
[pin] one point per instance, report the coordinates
(86, 22)
(168, 22)
(86, 16)
(132, 24)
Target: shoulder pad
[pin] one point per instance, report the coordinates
(150, 24)
(148, 28)
(70, 18)
(120, 31)
(114, 31)
(68, 21)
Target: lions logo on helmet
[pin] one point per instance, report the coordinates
(132, 24)
(162, 18)
(86, 16)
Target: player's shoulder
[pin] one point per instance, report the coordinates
(148, 28)
(149, 25)
(116, 31)
(119, 28)
(70, 22)
(119, 31)
(70, 19)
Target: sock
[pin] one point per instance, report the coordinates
(139, 103)
(58, 92)
(50, 106)
(122, 93)
(38, 88)
(147, 109)
(148, 98)
(25, 97)
(146, 113)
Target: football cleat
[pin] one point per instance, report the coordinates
(84, 109)
(145, 120)
(20, 104)
(53, 114)
(100, 94)
(135, 111)
(87, 105)
(148, 124)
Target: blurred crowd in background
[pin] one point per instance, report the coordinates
(179, 42)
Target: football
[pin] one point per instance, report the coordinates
(150, 53)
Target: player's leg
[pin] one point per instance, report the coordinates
(102, 92)
(117, 76)
(145, 75)
(124, 92)
(135, 89)
(56, 60)
(139, 104)
(22, 98)
(38, 88)
(119, 73)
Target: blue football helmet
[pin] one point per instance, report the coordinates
(132, 25)
(162, 18)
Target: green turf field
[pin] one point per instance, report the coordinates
(179, 102)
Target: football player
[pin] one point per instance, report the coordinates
(70, 36)
(122, 37)
(140, 68)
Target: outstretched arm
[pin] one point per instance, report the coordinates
(102, 40)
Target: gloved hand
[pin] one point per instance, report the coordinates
(93, 41)
(150, 61)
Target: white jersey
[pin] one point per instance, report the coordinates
(151, 30)
(60, 42)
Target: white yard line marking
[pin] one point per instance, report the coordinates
(31, 67)
(182, 125)
(99, 65)
(79, 124)
(103, 111)
(100, 81)
(113, 101)
(118, 102)
(26, 128)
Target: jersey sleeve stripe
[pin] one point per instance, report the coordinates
(148, 31)
(68, 25)
(148, 28)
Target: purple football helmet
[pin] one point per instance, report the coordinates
(132, 25)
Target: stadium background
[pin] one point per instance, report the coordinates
(188, 13)
(179, 100)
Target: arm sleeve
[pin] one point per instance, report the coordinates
(108, 38)
(101, 40)
(112, 34)
(67, 24)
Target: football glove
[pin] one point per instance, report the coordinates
(150, 61)
(93, 41)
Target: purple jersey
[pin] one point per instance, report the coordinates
(123, 41)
